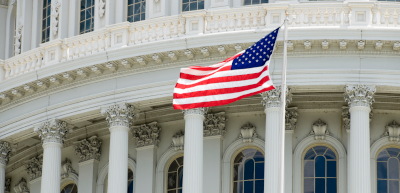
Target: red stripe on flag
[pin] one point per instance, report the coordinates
(220, 102)
(221, 90)
(223, 79)
(195, 77)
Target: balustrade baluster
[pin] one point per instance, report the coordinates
(8, 70)
(76, 49)
(382, 18)
(292, 17)
(82, 48)
(215, 26)
(167, 30)
(34, 62)
(374, 16)
(145, 34)
(262, 19)
(64, 48)
(95, 44)
(246, 20)
(175, 29)
(254, 24)
(153, 34)
(107, 41)
(17, 67)
(239, 21)
(346, 17)
(391, 20)
(22, 65)
(13, 69)
(88, 46)
(39, 60)
(208, 24)
(398, 18)
(160, 31)
(27, 62)
(298, 17)
(306, 19)
(330, 16)
(223, 23)
(321, 20)
(338, 19)
(231, 22)
(138, 35)
(182, 29)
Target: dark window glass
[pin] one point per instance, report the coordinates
(46, 21)
(320, 170)
(136, 10)
(130, 181)
(70, 188)
(87, 16)
(192, 5)
(175, 176)
(254, 2)
(387, 170)
(248, 171)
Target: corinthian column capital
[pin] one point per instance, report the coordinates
(54, 131)
(5, 149)
(196, 111)
(146, 134)
(272, 98)
(359, 95)
(120, 114)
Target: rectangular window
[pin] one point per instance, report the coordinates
(254, 2)
(136, 10)
(86, 16)
(46, 17)
(192, 5)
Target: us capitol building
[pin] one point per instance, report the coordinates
(86, 92)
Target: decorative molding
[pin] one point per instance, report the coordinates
(392, 131)
(5, 97)
(221, 50)
(378, 45)
(41, 84)
(272, 98)
(121, 114)
(307, 45)
(319, 130)
(81, 73)
(178, 141)
(238, 48)
(361, 44)
(21, 186)
(96, 70)
(396, 46)
(189, 54)
(7, 186)
(214, 124)
(126, 64)
(102, 8)
(112, 67)
(343, 44)
(88, 149)
(290, 45)
(66, 167)
(54, 131)
(55, 14)
(325, 45)
(172, 56)
(205, 52)
(141, 60)
(346, 118)
(360, 95)
(157, 58)
(196, 111)
(247, 133)
(291, 116)
(68, 76)
(17, 93)
(34, 167)
(29, 88)
(18, 36)
(146, 134)
(5, 150)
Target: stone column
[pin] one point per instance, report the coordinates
(89, 151)
(53, 134)
(271, 101)
(119, 117)
(214, 129)
(5, 149)
(360, 99)
(148, 137)
(193, 153)
(291, 124)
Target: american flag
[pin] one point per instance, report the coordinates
(242, 75)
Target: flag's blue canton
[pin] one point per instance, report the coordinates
(257, 54)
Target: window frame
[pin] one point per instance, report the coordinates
(41, 23)
(375, 177)
(91, 18)
(254, 4)
(231, 178)
(62, 187)
(337, 164)
(167, 165)
(133, 16)
(181, 6)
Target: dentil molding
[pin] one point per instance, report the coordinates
(146, 134)
(214, 124)
(88, 149)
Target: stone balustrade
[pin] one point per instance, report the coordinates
(368, 15)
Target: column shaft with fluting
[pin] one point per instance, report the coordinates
(119, 117)
(360, 99)
(193, 153)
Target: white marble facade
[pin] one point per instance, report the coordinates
(86, 97)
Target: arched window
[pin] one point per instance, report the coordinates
(129, 184)
(136, 10)
(387, 167)
(319, 170)
(87, 16)
(46, 20)
(248, 171)
(254, 2)
(175, 176)
(191, 5)
(70, 188)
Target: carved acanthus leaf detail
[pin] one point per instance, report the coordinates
(5, 149)
(360, 95)
(393, 131)
(319, 130)
(18, 36)
(21, 186)
(55, 13)
(272, 98)
(247, 133)
(102, 9)
(54, 130)
(196, 111)
(66, 167)
(34, 167)
(346, 118)
(178, 141)
(291, 116)
(146, 134)
(7, 187)
(121, 114)
(214, 124)
(88, 149)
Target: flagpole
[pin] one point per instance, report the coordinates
(281, 177)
